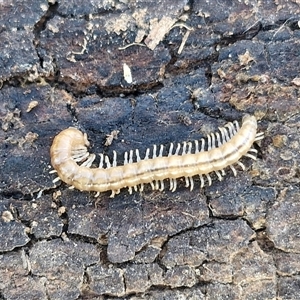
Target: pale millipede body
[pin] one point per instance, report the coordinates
(221, 149)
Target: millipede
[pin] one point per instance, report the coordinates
(72, 161)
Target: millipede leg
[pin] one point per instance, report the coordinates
(162, 185)
(189, 151)
(137, 153)
(79, 158)
(101, 160)
(202, 145)
(131, 156)
(213, 140)
(233, 170)
(196, 146)
(106, 159)
(114, 164)
(252, 150)
(56, 179)
(254, 157)
(209, 179)
(192, 183)
(183, 148)
(125, 158)
(219, 175)
(171, 149)
(187, 182)
(218, 139)
(89, 161)
(78, 154)
(174, 185)
(225, 135)
(154, 151)
(171, 183)
(259, 136)
(237, 125)
(208, 142)
(241, 165)
(97, 194)
(161, 150)
(78, 151)
(231, 129)
(152, 185)
(201, 181)
(141, 187)
(147, 154)
(130, 190)
(177, 149)
(250, 156)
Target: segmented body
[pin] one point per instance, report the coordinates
(223, 149)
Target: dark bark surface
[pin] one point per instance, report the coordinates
(194, 65)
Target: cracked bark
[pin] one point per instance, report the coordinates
(62, 65)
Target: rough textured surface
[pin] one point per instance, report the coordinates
(156, 72)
